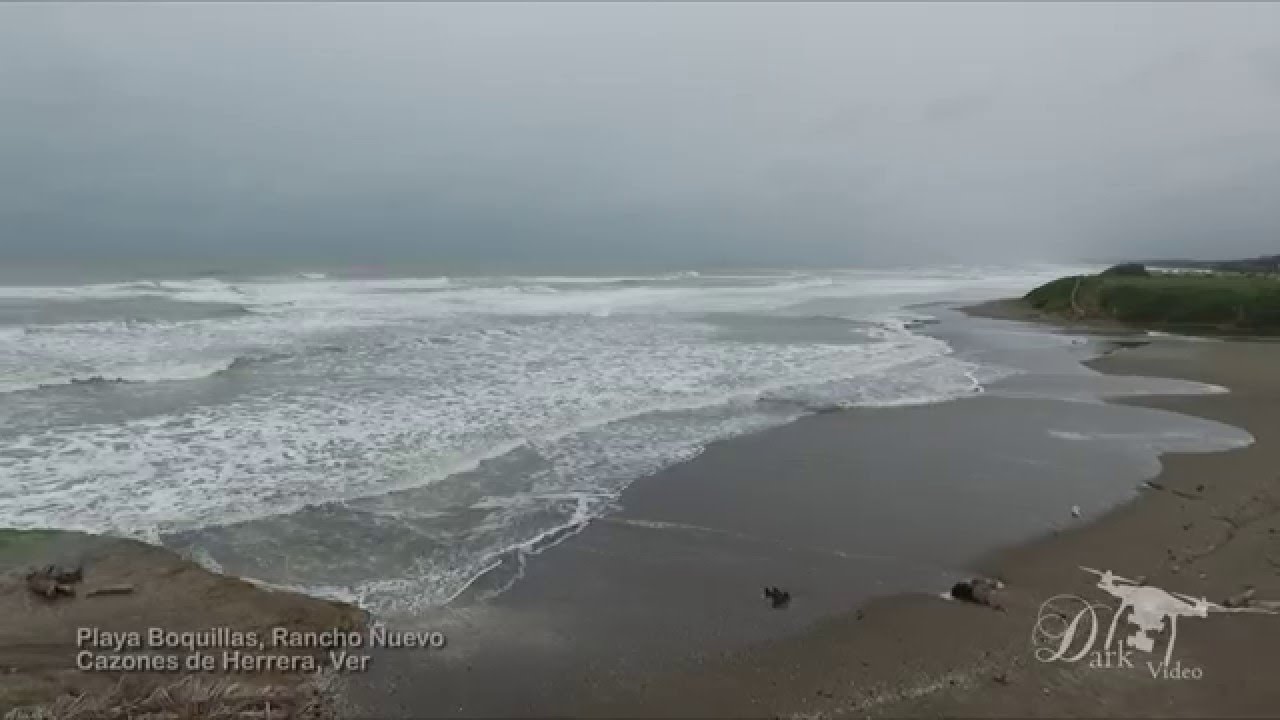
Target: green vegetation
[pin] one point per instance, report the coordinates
(1209, 302)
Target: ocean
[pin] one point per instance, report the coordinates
(388, 440)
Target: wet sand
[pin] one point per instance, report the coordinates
(657, 610)
(1211, 531)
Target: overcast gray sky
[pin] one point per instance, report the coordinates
(676, 135)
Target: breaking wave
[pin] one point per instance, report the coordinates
(439, 424)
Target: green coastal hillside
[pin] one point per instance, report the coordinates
(1222, 302)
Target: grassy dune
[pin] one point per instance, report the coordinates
(1229, 303)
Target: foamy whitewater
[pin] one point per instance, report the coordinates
(388, 440)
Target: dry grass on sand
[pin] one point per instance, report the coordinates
(193, 698)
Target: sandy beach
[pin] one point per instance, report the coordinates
(1211, 530)
(657, 609)
(63, 655)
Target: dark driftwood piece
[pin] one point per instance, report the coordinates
(110, 590)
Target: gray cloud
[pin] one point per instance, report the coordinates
(664, 134)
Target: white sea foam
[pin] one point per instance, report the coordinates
(143, 352)
(1068, 435)
(34, 379)
(1165, 440)
(439, 409)
(297, 312)
(1184, 338)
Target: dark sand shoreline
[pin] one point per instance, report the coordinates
(1211, 530)
(848, 651)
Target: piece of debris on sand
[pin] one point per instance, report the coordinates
(980, 591)
(53, 581)
(777, 597)
(1241, 599)
(123, 589)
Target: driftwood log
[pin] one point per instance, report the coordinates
(110, 590)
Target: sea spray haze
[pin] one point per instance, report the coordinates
(390, 438)
(501, 137)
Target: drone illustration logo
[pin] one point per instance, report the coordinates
(1067, 626)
